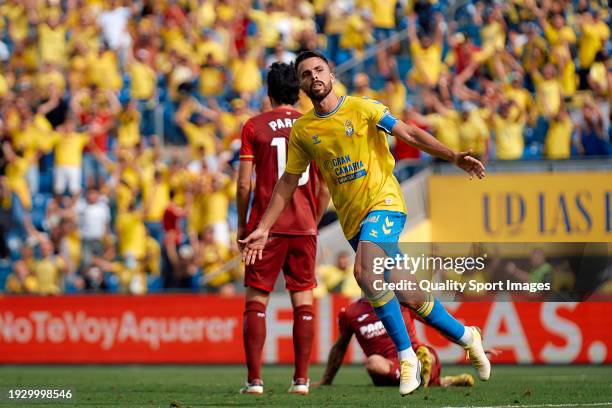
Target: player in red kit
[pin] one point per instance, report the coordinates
(293, 243)
(382, 363)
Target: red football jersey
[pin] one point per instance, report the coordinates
(264, 141)
(359, 318)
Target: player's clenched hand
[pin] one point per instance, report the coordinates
(470, 164)
(253, 246)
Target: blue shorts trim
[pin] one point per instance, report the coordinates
(381, 227)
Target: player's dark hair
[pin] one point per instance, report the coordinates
(304, 55)
(283, 84)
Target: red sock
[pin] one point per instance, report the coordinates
(254, 336)
(394, 372)
(303, 333)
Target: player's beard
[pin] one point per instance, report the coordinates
(321, 92)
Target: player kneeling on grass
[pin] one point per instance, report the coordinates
(292, 245)
(382, 363)
(347, 139)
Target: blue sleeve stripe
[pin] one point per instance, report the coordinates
(387, 122)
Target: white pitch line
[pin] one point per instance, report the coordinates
(586, 404)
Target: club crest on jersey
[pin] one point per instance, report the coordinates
(348, 127)
(315, 139)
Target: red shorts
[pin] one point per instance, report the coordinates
(294, 254)
(392, 379)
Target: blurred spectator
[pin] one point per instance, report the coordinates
(508, 125)
(393, 95)
(96, 110)
(185, 268)
(128, 132)
(216, 206)
(132, 236)
(193, 119)
(67, 239)
(212, 78)
(94, 224)
(594, 34)
(49, 270)
(464, 53)
(473, 131)
(246, 77)
(156, 197)
(173, 238)
(426, 53)
(564, 278)
(522, 98)
(605, 286)
(592, 139)
(337, 278)
(383, 20)
(114, 22)
(361, 86)
(52, 35)
(280, 55)
(598, 76)
(212, 258)
(549, 96)
(540, 270)
(559, 136)
(21, 281)
(143, 83)
(137, 99)
(69, 148)
(443, 120)
(357, 35)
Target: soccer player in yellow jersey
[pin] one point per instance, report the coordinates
(347, 138)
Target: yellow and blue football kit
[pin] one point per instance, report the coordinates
(349, 146)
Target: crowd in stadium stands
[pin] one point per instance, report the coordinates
(120, 120)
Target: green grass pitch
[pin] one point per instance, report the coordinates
(197, 386)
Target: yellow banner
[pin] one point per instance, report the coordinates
(522, 207)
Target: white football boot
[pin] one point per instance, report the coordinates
(255, 387)
(477, 355)
(300, 386)
(410, 375)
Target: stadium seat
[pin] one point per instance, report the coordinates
(5, 271)
(46, 181)
(404, 65)
(112, 282)
(155, 284)
(39, 209)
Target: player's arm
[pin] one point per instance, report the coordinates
(245, 174)
(422, 140)
(323, 196)
(243, 194)
(297, 162)
(336, 355)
